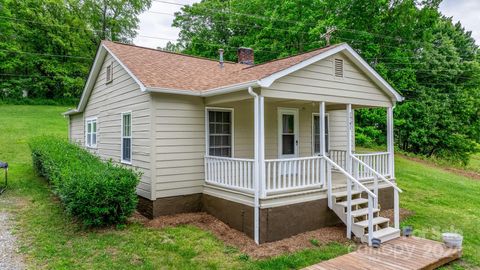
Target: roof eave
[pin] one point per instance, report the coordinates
(93, 74)
(205, 93)
(70, 112)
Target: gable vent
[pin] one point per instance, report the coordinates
(338, 68)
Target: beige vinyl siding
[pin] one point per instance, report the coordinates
(243, 127)
(107, 102)
(338, 130)
(75, 129)
(179, 144)
(317, 82)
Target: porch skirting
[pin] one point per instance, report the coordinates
(276, 223)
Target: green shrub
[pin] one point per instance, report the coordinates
(97, 193)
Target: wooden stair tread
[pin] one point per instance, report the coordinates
(376, 221)
(362, 212)
(385, 232)
(354, 202)
(345, 193)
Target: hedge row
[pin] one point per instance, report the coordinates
(97, 193)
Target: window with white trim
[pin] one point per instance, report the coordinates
(316, 133)
(109, 73)
(91, 132)
(127, 137)
(219, 132)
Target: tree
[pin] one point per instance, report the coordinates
(431, 61)
(115, 20)
(47, 47)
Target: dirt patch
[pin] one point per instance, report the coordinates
(404, 213)
(243, 243)
(466, 173)
(9, 256)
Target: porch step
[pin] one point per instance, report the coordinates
(342, 194)
(354, 202)
(363, 212)
(384, 234)
(376, 221)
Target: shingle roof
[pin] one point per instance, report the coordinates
(161, 69)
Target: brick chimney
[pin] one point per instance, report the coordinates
(245, 56)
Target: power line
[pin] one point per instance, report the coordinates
(46, 54)
(397, 38)
(37, 76)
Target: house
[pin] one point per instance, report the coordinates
(268, 149)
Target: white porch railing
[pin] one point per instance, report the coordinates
(339, 157)
(376, 176)
(232, 173)
(377, 161)
(293, 173)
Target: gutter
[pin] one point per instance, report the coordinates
(70, 112)
(205, 93)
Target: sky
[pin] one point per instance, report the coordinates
(155, 24)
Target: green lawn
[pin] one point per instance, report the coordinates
(441, 201)
(50, 240)
(474, 163)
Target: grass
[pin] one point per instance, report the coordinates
(474, 164)
(440, 199)
(50, 240)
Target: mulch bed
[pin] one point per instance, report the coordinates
(245, 244)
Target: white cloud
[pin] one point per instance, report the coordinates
(156, 22)
(159, 25)
(465, 11)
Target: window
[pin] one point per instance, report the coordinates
(338, 68)
(91, 134)
(220, 127)
(127, 137)
(316, 133)
(109, 73)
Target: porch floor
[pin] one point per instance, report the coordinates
(401, 253)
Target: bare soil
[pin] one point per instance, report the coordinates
(404, 213)
(9, 256)
(243, 243)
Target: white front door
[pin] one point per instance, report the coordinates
(287, 132)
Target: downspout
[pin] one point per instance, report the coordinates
(256, 211)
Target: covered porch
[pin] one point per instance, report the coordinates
(265, 148)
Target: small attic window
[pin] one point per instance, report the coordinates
(338, 68)
(109, 73)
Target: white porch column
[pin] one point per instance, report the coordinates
(256, 165)
(261, 146)
(391, 166)
(390, 147)
(321, 117)
(349, 122)
(322, 127)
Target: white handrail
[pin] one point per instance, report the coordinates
(371, 154)
(371, 198)
(377, 174)
(292, 159)
(350, 177)
(229, 158)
